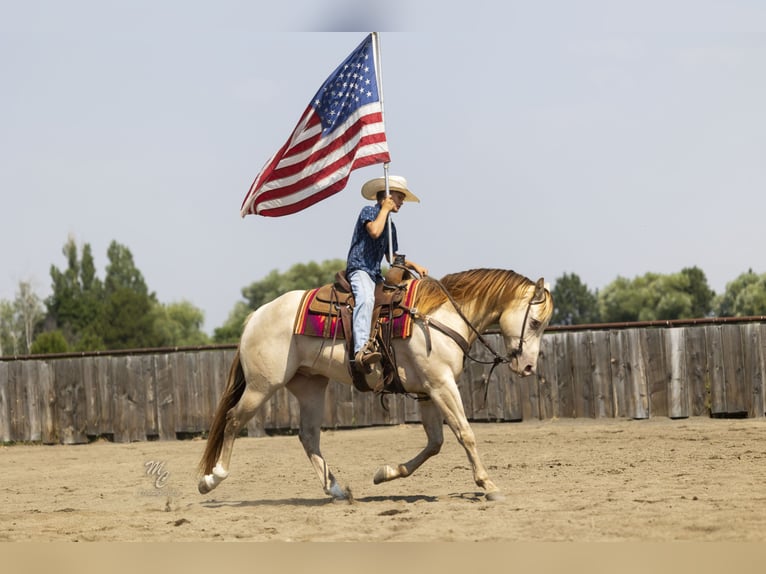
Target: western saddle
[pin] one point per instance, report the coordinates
(337, 299)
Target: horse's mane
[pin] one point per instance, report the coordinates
(477, 286)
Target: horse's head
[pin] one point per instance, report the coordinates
(522, 324)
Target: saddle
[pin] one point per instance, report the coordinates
(336, 299)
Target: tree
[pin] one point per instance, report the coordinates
(231, 330)
(299, 276)
(49, 342)
(20, 320)
(9, 337)
(574, 304)
(179, 324)
(652, 297)
(77, 297)
(29, 313)
(744, 296)
(701, 293)
(127, 320)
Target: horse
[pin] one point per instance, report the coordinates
(449, 315)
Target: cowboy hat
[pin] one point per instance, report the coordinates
(395, 183)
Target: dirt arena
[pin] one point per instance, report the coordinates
(565, 480)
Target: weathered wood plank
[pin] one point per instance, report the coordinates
(191, 388)
(716, 369)
(530, 398)
(513, 410)
(182, 393)
(619, 373)
(736, 384)
(655, 371)
(70, 401)
(48, 406)
(679, 399)
(92, 397)
(123, 404)
(351, 407)
(546, 379)
(5, 407)
(166, 397)
(579, 348)
(697, 370)
(637, 389)
(149, 384)
(31, 375)
(102, 368)
(753, 350)
(601, 374)
(17, 411)
(564, 383)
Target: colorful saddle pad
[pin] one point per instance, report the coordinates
(313, 324)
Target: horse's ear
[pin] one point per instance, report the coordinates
(540, 289)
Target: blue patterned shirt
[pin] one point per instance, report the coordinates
(365, 252)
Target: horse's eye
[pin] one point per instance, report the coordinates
(535, 324)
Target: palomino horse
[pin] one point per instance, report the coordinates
(270, 356)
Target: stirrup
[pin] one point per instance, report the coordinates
(366, 357)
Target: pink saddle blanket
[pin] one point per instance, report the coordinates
(307, 322)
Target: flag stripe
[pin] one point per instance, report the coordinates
(342, 129)
(355, 140)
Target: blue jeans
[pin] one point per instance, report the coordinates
(364, 303)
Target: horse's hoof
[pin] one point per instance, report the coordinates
(207, 483)
(384, 474)
(495, 496)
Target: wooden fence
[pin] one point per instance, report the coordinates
(672, 370)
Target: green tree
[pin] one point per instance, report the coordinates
(231, 330)
(127, 320)
(179, 325)
(653, 296)
(76, 302)
(300, 276)
(49, 342)
(701, 294)
(744, 296)
(118, 313)
(574, 303)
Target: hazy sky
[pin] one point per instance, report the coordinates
(599, 138)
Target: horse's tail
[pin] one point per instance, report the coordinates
(235, 386)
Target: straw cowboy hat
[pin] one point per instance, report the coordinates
(395, 183)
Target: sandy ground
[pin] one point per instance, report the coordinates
(565, 480)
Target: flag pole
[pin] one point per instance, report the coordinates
(379, 72)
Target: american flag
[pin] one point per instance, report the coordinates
(341, 130)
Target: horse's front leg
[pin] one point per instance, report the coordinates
(433, 423)
(448, 400)
(310, 392)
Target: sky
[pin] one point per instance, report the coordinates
(606, 139)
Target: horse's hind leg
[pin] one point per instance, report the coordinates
(235, 419)
(310, 392)
(433, 423)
